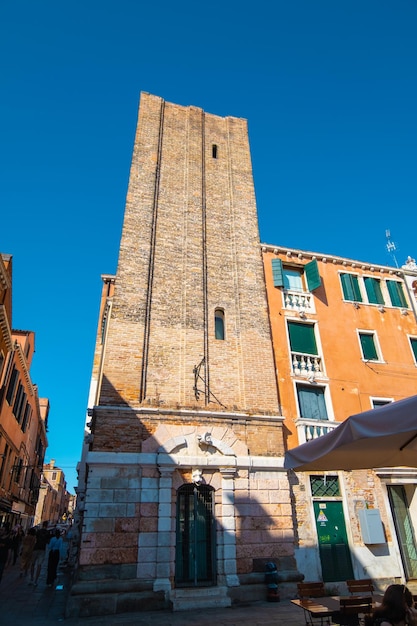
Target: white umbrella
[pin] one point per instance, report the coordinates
(382, 437)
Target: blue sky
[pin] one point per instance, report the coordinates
(329, 90)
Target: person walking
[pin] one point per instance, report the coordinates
(54, 554)
(38, 557)
(28, 544)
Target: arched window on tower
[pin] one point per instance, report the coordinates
(219, 326)
(214, 151)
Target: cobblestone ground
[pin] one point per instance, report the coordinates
(22, 604)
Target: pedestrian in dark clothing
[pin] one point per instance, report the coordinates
(17, 536)
(42, 540)
(5, 544)
(54, 554)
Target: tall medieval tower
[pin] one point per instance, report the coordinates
(181, 480)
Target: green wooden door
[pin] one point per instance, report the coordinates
(336, 562)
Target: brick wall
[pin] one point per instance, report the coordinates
(189, 245)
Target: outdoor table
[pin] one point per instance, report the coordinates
(324, 608)
(320, 608)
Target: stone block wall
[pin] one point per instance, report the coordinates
(111, 520)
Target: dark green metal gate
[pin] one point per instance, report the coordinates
(196, 545)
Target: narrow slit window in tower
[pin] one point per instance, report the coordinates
(219, 323)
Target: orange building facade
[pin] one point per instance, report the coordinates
(345, 341)
(53, 502)
(23, 415)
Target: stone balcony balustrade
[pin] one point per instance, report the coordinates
(306, 365)
(300, 301)
(308, 429)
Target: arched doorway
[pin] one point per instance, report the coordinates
(196, 539)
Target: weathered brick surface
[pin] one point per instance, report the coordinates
(131, 431)
(189, 245)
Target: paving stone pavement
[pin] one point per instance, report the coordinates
(22, 604)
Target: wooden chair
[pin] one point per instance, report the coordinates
(311, 590)
(354, 610)
(362, 585)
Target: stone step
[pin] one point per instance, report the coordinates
(199, 598)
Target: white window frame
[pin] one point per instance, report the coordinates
(360, 285)
(410, 337)
(300, 272)
(322, 374)
(327, 398)
(320, 427)
(374, 399)
(404, 290)
(374, 334)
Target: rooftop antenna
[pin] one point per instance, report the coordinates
(391, 247)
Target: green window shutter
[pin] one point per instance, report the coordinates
(413, 343)
(312, 275)
(350, 286)
(368, 347)
(302, 338)
(312, 403)
(12, 385)
(373, 290)
(356, 290)
(393, 294)
(277, 273)
(378, 292)
(346, 287)
(395, 290)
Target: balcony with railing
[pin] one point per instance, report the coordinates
(309, 366)
(300, 301)
(308, 429)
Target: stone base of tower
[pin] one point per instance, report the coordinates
(140, 535)
(110, 597)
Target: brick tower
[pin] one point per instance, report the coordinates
(182, 494)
